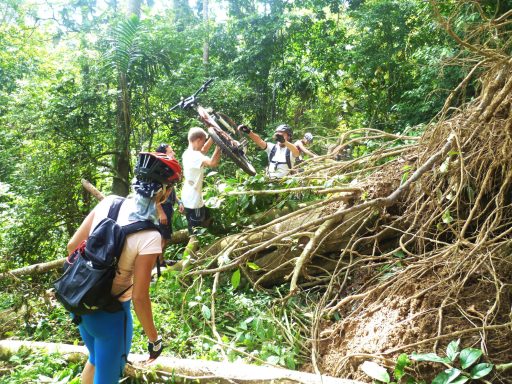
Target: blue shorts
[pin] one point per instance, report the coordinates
(108, 337)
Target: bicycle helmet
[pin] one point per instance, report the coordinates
(162, 148)
(308, 137)
(284, 128)
(154, 166)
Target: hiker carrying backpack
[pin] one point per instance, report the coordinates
(106, 324)
(86, 284)
(281, 155)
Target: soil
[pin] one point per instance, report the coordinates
(383, 323)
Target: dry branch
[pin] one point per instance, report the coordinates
(92, 190)
(313, 188)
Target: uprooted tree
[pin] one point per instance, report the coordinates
(416, 250)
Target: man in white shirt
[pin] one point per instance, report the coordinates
(281, 155)
(194, 163)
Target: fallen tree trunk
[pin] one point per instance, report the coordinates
(199, 370)
(34, 269)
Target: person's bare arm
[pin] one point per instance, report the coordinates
(207, 146)
(214, 160)
(304, 149)
(162, 217)
(293, 149)
(81, 234)
(257, 140)
(309, 153)
(140, 294)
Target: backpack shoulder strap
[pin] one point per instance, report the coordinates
(138, 226)
(113, 212)
(272, 153)
(288, 158)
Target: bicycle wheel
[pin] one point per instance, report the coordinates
(230, 147)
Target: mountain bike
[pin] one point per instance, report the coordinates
(219, 125)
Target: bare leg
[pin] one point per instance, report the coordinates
(88, 373)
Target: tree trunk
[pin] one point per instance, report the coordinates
(121, 160)
(206, 46)
(198, 370)
(134, 8)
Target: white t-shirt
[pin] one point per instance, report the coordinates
(193, 172)
(142, 243)
(280, 170)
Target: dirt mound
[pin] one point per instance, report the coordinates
(407, 318)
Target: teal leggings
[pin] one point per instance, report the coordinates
(108, 337)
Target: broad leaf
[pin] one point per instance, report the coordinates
(235, 279)
(453, 350)
(375, 371)
(207, 314)
(460, 380)
(428, 357)
(469, 356)
(447, 376)
(481, 370)
(273, 359)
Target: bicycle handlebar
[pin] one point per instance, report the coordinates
(191, 100)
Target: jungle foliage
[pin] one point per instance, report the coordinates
(85, 85)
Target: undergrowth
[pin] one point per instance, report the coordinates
(251, 327)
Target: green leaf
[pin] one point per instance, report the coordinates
(447, 218)
(400, 254)
(235, 279)
(253, 266)
(481, 370)
(272, 359)
(453, 350)
(432, 357)
(469, 356)
(447, 376)
(375, 371)
(460, 380)
(207, 314)
(402, 362)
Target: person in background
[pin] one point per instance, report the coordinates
(165, 209)
(302, 145)
(281, 155)
(108, 335)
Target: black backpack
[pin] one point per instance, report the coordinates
(89, 271)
